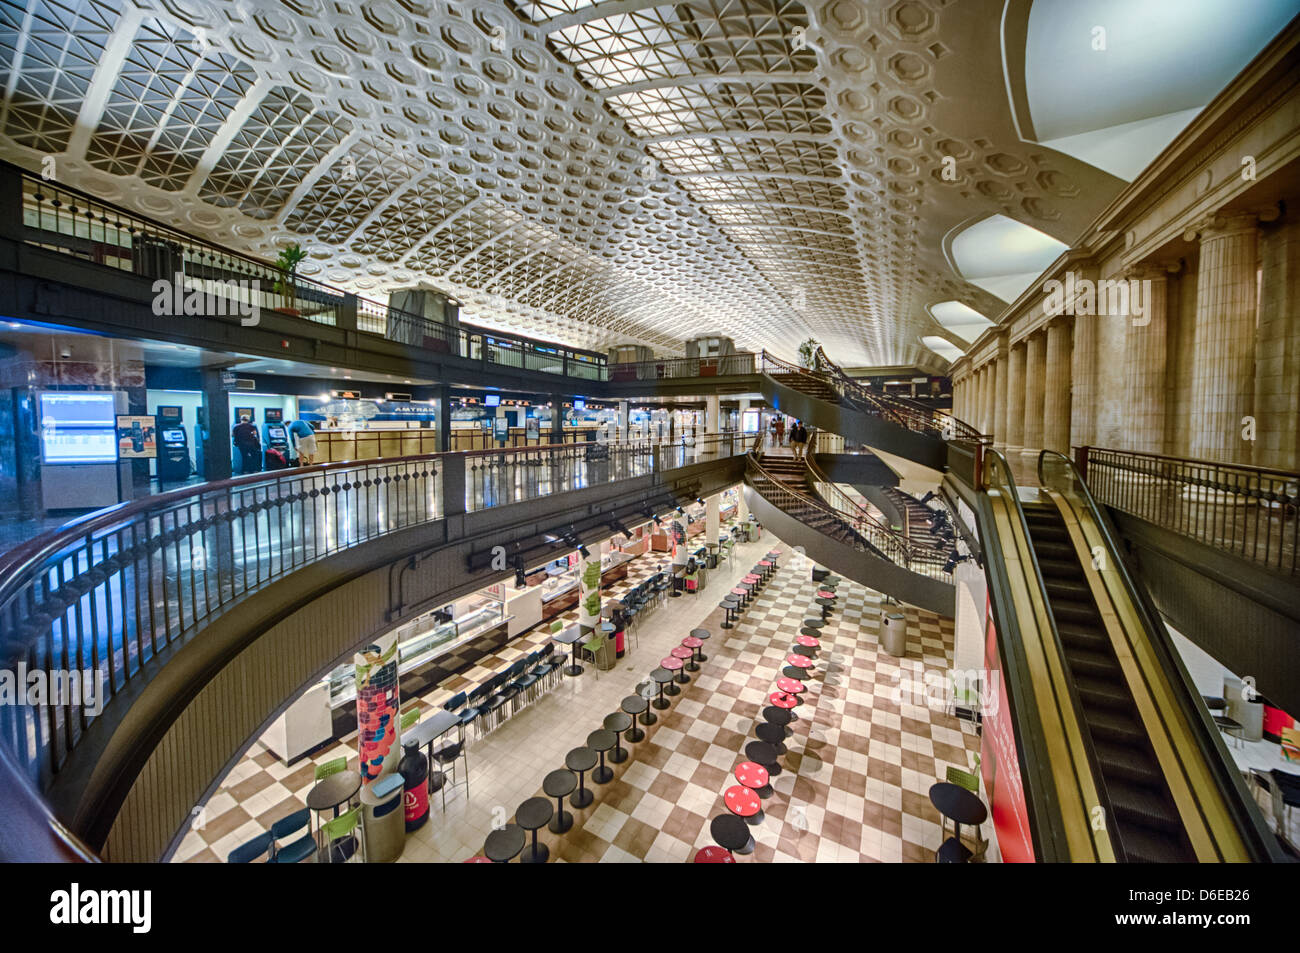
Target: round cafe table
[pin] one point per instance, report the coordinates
(799, 661)
(703, 636)
(791, 686)
(684, 654)
(635, 705)
(559, 784)
(752, 775)
(714, 854)
(783, 699)
(329, 794)
(534, 813)
(808, 641)
(743, 802)
(671, 664)
(961, 806)
(692, 643)
(661, 678)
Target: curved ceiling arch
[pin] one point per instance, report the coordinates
(1000, 255)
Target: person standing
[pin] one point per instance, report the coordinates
(249, 445)
(304, 441)
(780, 430)
(797, 437)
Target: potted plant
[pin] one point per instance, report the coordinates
(287, 284)
(807, 350)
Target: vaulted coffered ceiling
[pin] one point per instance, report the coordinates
(595, 173)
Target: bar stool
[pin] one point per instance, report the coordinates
(504, 845)
(662, 677)
(731, 833)
(760, 752)
(744, 803)
(683, 654)
(712, 854)
(729, 605)
(692, 644)
(618, 722)
(779, 716)
(703, 636)
(534, 813)
(773, 735)
(600, 741)
(580, 761)
(754, 776)
(809, 641)
(671, 665)
(783, 699)
(807, 651)
(635, 705)
(741, 595)
(559, 784)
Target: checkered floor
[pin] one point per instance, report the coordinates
(861, 759)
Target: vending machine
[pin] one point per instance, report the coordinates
(275, 440)
(173, 445)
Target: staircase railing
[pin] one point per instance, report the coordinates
(866, 535)
(1251, 512)
(906, 413)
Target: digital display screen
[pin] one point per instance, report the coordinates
(501, 429)
(78, 427)
(274, 415)
(174, 436)
(492, 400)
(275, 433)
(579, 404)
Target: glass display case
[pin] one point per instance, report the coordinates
(426, 638)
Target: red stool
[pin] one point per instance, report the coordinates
(673, 664)
(798, 661)
(791, 686)
(807, 641)
(714, 855)
(743, 802)
(682, 653)
(754, 776)
(783, 699)
(742, 598)
(693, 644)
(477, 860)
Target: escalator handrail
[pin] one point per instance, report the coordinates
(1208, 738)
(994, 458)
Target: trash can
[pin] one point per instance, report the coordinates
(893, 633)
(383, 819)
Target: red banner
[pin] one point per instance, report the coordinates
(999, 760)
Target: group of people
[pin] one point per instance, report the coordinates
(798, 435)
(248, 441)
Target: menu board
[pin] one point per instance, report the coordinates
(136, 437)
(78, 427)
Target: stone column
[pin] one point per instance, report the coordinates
(1000, 400)
(711, 413)
(1277, 348)
(1015, 398)
(1145, 361)
(1035, 366)
(623, 418)
(1223, 369)
(712, 517)
(982, 416)
(1056, 387)
(1083, 383)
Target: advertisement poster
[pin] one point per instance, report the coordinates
(1000, 761)
(136, 437)
(532, 429)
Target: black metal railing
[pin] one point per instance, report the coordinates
(105, 595)
(669, 368)
(1251, 512)
(65, 220)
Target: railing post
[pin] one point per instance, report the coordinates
(346, 316)
(1081, 462)
(453, 484)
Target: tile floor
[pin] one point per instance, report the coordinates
(854, 786)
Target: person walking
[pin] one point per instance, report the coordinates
(780, 430)
(798, 437)
(249, 445)
(304, 441)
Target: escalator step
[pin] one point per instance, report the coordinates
(1054, 550)
(1084, 613)
(1101, 693)
(1087, 664)
(1151, 847)
(1070, 590)
(1058, 567)
(1115, 726)
(1083, 636)
(1129, 763)
(1141, 805)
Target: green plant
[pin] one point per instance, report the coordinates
(806, 351)
(287, 263)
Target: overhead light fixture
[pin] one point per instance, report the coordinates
(699, 500)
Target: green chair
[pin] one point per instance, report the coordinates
(970, 780)
(557, 627)
(410, 717)
(340, 828)
(595, 645)
(331, 767)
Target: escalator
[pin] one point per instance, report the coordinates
(1119, 759)
(1145, 819)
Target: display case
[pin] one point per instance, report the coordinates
(427, 638)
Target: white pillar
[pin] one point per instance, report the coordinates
(622, 420)
(712, 517)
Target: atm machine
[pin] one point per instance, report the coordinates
(275, 437)
(173, 447)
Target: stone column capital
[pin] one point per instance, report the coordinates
(1154, 270)
(1224, 224)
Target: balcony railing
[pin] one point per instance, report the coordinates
(68, 221)
(1249, 512)
(670, 368)
(109, 593)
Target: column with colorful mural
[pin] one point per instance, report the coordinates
(378, 703)
(589, 597)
